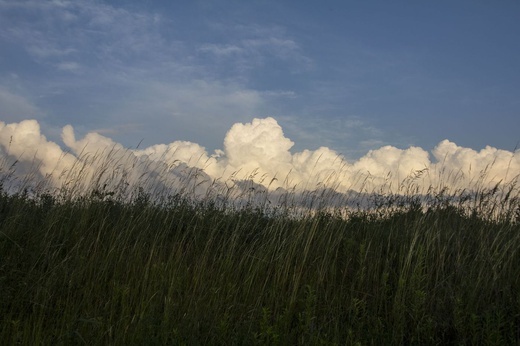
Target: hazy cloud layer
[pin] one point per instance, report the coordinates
(13, 105)
(256, 151)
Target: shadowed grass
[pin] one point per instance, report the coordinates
(96, 270)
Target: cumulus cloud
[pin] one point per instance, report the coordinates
(489, 164)
(258, 152)
(24, 142)
(260, 143)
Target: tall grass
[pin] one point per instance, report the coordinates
(98, 269)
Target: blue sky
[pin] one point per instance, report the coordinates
(349, 75)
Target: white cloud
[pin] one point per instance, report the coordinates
(283, 48)
(498, 165)
(24, 142)
(260, 144)
(197, 102)
(221, 49)
(289, 94)
(248, 47)
(93, 29)
(70, 66)
(258, 151)
(42, 49)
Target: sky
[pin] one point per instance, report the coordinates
(262, 84)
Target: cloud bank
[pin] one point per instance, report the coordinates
(257, 152)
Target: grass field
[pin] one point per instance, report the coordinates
(97, 270)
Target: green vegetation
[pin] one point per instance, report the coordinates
(97, 271)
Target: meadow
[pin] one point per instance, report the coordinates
(97, 269)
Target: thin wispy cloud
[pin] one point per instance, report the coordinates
(14, 106)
